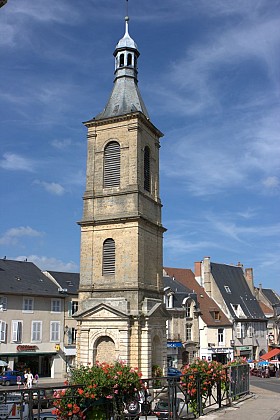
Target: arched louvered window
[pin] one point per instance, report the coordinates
(129, 59)
(108, 266)
(112, 165)
(147, 176)
(121, 60)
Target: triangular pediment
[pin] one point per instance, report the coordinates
(100, 310)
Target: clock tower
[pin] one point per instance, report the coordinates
(121, 315)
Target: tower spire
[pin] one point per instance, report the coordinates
(125, 97)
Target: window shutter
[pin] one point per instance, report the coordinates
(112, 165)
(147, 176)
(238, 330)
(3, 327)
(108, 257)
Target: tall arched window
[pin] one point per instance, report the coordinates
(121, 60)
(111, 177)
(108, 263)
(147, 176)
(129, 59)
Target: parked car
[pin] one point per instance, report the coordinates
(10, 377)
(163, 409)
(171, 371)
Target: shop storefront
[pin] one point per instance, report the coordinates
(30, 357)
(219, 354)
(174, 353)
(244, 351)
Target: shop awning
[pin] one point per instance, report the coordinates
(270, 354)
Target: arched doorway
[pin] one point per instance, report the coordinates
(105, 350)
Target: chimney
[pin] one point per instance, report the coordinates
(197, 268)
(250, 279)
(207, 275)
(197, 272)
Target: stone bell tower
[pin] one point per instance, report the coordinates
(121, 315)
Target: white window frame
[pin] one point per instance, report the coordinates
(250, 331)
(36, 331)
(27, 304)
(55, 331)
(73, 306)
(188, 310)
(55, 306)
(221, 336)
(238, 330)
(3, 331)
(3, 303)
(17, 329)
(188, 332)
(72, 336)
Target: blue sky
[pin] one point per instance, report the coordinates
(209, 76)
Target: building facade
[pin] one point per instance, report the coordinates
(228, 287)
(31, 320)
(121, 315)
(207, 325)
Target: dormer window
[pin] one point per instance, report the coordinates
(238, 310)
(227, 289)
(216, 315)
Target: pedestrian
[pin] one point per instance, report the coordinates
(29, 379)
(36, 379)
(18, 381)
(25, 379)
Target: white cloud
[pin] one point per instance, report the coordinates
(61, 144)
(50, 263)
(15, 162)
(12, 235)
(51, 187)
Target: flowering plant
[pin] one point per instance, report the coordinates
(90, 386)
(201, 375)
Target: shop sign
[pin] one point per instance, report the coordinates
(243, 348)
(220, 350)
(174, 344)
(26, 347)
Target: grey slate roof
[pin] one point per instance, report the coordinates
(21, 277)
(180, 291)
(271, 296)
(125, 97)
(233, 277)
(67, 281)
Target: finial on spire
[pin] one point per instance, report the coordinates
(126, 7)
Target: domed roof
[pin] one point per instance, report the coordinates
(126, 41)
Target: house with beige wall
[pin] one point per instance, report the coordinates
(31, 319)
(228, 287)
(214, 329)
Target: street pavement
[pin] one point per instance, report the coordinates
(260, 404)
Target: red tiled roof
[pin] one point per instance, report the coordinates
(270, 354)
(207, 305)
(266, 309)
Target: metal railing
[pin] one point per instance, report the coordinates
(171, 394)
